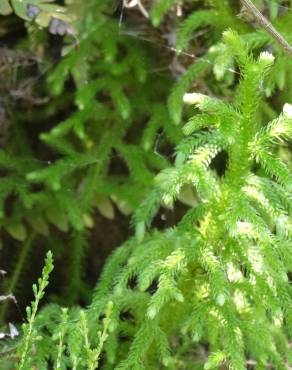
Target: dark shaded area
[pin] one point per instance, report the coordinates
(220, 163)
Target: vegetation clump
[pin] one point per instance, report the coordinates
(125, 123)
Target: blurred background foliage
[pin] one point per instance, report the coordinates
(91, 109)
(84, 129)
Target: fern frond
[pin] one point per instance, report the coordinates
(175, 99)
(196, 20)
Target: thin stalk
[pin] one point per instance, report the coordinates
(263, 21)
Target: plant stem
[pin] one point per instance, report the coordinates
(29, 333)
(263, 21)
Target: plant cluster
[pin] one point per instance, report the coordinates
(211, 292)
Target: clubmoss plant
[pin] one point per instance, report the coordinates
(220, 276)
(30, 334)
(213, 291)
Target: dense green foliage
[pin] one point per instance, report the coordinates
(121, 128)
